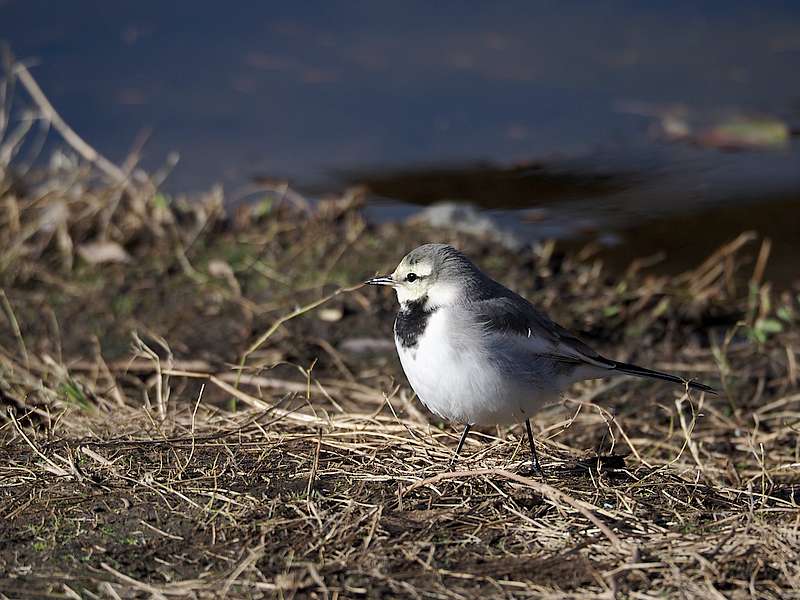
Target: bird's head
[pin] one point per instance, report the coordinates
(436, 274)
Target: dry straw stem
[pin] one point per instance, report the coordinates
(50, 114)
(178, 588)
(12, 320)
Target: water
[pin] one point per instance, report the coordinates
(519, 105)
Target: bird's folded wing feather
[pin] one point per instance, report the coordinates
(513, 314)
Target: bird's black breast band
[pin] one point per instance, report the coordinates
(411, 322)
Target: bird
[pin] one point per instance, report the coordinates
(477, 353)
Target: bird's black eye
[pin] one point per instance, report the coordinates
(411, 277)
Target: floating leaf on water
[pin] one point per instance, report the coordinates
(678, 123)
(746, 133)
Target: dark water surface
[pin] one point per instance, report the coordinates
(509, 106)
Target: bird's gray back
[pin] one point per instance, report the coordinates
(498, 310)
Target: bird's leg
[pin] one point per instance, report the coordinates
(535, 466)
(467, 427)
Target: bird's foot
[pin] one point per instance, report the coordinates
(531, 469)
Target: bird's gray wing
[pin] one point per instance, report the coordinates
(512, 314)
(504, 312)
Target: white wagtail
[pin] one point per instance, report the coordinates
(479, 354)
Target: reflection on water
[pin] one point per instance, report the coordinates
(560, 99)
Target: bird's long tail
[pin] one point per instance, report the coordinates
(637, 371)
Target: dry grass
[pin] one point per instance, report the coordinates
(175, 426)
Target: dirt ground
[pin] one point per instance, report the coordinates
(203, 403)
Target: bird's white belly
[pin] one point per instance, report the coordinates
(457, 374)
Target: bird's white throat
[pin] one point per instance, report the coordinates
(437, 295)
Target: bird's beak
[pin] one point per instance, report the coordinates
(380, 280)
